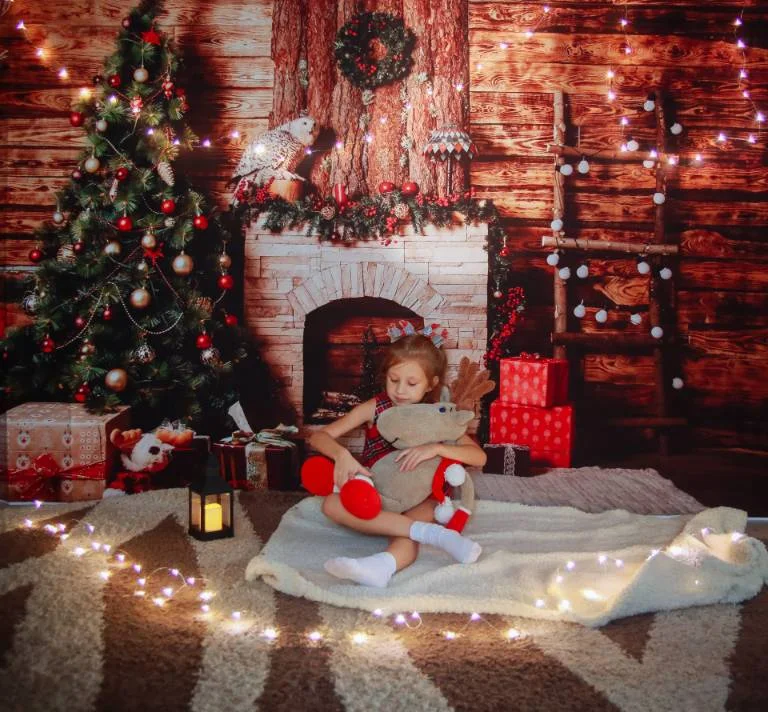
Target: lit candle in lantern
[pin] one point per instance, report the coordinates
(213, 520)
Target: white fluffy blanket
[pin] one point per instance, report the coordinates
(556, 563)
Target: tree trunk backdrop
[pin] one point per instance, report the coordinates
(254, 64)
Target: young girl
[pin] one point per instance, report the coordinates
(414, 369)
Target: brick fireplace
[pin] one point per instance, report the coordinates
(294, 280)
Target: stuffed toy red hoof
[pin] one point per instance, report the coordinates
(317, 475)
(360, 498)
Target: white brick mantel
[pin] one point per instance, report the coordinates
(441, 275)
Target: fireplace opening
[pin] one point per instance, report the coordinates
(343, 344)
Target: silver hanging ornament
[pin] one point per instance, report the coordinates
(142, 266)
(165, 171)
(225, 261)
(210, 357)
(113, 189)
(140, 298)
(144, 353)
(31, 303)
(113, 248)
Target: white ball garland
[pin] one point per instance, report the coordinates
(665, 273)
(676, 129)
(583, 166)
(564, 273)
(657, 332)
(643, 267)
(553, 258)
(649, 104)
(601, 316)
(566, 169)
(677, 383)
(556, 224)
(582, 271)
(579, 311)
(632, 145)
(636, 319)
(659, 198)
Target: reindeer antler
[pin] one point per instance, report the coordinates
(124, 440)
(471, 385)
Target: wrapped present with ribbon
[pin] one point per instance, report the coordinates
(530, 379)
(507, 459)
(37, 481)
(82, 484)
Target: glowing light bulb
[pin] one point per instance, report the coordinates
(503, 45)
(558, 579)
(528, 34)
(741, 44)
(611, 95)
(415, 615)
(368, 138)
(546, 9)
(564, 605)
(159, 601)
(623, 22)
(112, 99)
(141, 581)
(307, 151)
(236, 615)
(721, 137)
(619, 563)
(95, 545)
(191, 581)
(672, 160)
(475, 617)
(513, 634)
(85, 93)
(359, 638)
(751, 138)
(539, 603)
(79, 551)
(206, 143)
(104, 575)
(459, 86)
(737, 22)
(63, 73)
(40, 52)
(150, 131)
(137, 568)
(206, 596)
(760, 117)
(602, 558)
(449, 635)
(624, 121)
(571, 565)
(742, 74)
(140, 594)
(627, 49)
(745, 94)
(270, 633)
(28, 523)
(315, 636)
(339, 145)
(698, 158)
(400, 618)
(236, 134)
(21, 26)
(377, 612)
(610, 74)
(205, 608)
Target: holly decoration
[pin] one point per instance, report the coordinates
(76, 118)
(355, 55)
(504, 325)
(82, 393)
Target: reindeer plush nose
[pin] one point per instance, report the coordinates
(154, 450)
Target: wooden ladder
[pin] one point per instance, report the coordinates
(660, 310)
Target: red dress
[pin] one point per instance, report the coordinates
(376, 446)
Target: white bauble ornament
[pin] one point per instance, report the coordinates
(649, 105)
(210, 356)
(113, 248)
(140, 298)
(566, 169)
(659, 198)
(58, 217)
(101, 125)
(632, 145)
(579, 311)
(648, 163)
(553, 258)
(643, 267)
(665, 273)
(582, 271)
(657, 332)
(676, 129)
(564, 272)
(636, 319)
(677, 383)
(92, 164)
(182, 264)
(601, 316)
(556, 224)
(141, 75)
(149, 241)
(583, 166)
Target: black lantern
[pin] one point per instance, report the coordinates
(211, 509)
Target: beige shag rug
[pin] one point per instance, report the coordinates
(71, 639)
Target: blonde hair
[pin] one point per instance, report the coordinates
(419, 348)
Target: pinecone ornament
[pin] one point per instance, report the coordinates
(402, 211)
(211, 357)
(144, 353)
(66, 254)
(328, 212)
(165, 171)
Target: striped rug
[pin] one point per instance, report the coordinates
(75, 636)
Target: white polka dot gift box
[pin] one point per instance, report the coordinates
(530, 379)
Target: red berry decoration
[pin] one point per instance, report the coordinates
(230, 320)
(122, 173)
(35, 255)
(107, 314)
(200, 222)
(47, 345)
(79, 322)
(114, 81)
(168, 206)
(124, 224)
(409, 188)
(76, 118)
(203, 341)
(386, 186)
(78, 247)
(226, 281)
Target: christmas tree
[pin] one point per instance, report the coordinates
(128, 300)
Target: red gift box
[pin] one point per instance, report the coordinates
(547, 431)
(532, 380)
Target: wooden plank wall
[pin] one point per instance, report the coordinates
(718, 210)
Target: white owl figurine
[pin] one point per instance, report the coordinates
(275, 154)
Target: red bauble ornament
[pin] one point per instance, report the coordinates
(78, 247)
(122, 173)
(114, 81)
(76, 118)
(124, 224)
(230, 320)
(79, 322)
(226, 281)
(386, 186)
(47, 345)
(82, 393)
(200, 222)
(203, 341)
(35, 255)
(107, 314)
(409, 188)
(168, 206)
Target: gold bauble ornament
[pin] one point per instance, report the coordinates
(142, 266)
(140, 298)
(148, 241)
(92, 164)
(141, 75)
(183, 264)
(113, 248)
(116, 380)
(225, 261)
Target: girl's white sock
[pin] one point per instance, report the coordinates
(373, 570)
(459, 547)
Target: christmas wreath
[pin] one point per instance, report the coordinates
(357, 55)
